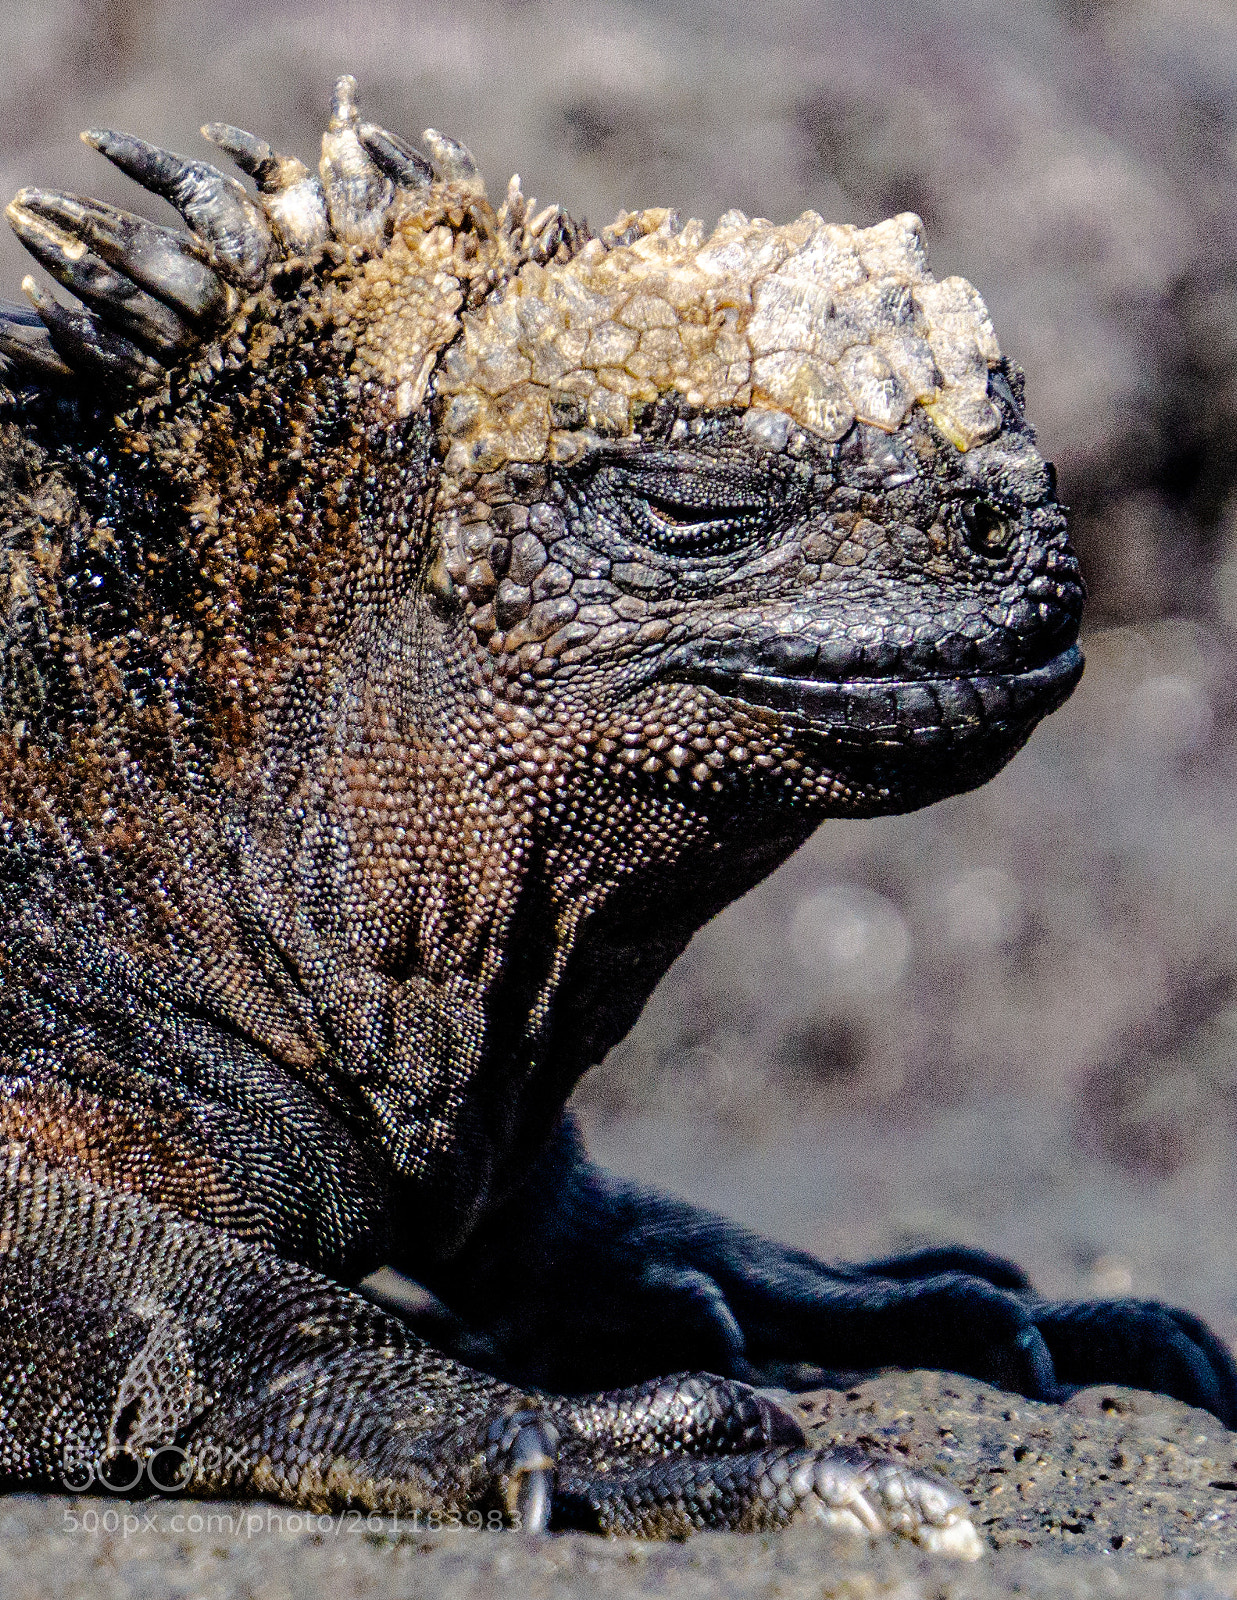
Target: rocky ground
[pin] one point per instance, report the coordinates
(1011, 1019)
(1116, 1494)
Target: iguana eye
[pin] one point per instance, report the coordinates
(689, 508)
(986, 528)
(676, 514)
(691, 527)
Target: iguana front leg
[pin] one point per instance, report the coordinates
(583, 1280)
(147, 1351)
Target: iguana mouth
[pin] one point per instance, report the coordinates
(914, 711)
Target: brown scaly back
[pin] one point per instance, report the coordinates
(182, 474)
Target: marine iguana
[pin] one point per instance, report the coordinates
(419, 618)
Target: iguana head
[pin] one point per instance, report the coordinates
(767, 497)
(494, 574)
(756, 505)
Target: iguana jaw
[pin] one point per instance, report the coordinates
(921, 713)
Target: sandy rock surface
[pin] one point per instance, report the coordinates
(1113, 1470)
(1072, 1501)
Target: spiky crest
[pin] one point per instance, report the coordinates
(152, 296)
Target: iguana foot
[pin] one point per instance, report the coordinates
(692, 1452)
(633, 1282)
(844, 1488)
(220, 1369)
(522, 1450)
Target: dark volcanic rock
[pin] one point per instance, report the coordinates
(1112, 1470)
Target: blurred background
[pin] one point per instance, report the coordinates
(1010, 1019)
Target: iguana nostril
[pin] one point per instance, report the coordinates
(987, 529)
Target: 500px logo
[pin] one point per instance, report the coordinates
(166, 1469)
(127, 1523)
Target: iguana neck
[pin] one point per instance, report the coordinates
(472, 943)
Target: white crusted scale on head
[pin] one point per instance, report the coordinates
(828, 323)
(517, 316)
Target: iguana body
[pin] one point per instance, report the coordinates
(419, 620)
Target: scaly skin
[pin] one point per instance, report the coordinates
(419, 619)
